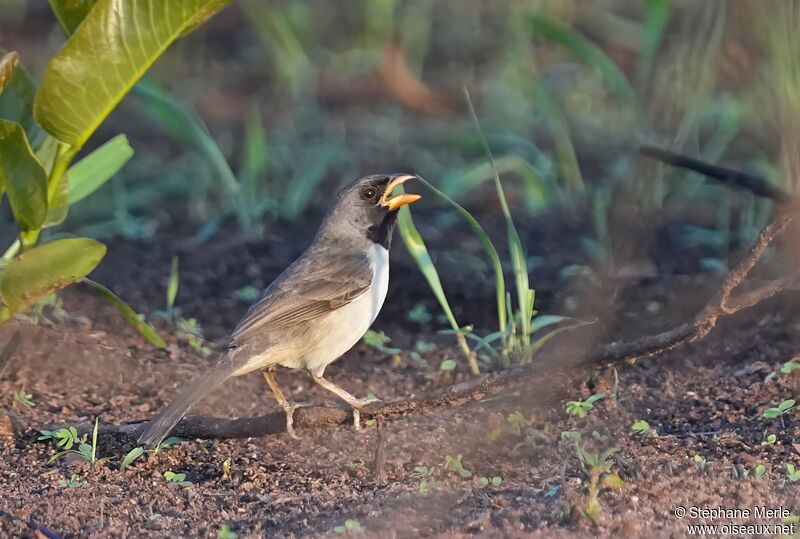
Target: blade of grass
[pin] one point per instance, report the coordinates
(655, 19)
(145, 329)
(419, 252)
(488, 247)
(518, 260)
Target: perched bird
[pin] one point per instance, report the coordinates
(317, 309)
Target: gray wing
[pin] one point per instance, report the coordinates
(311, 287)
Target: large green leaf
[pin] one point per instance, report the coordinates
(146, 330)
(8, 64)
(16, 101)
(23, 177)
(111, 49)
(47, 268)
(70, 13)
(90, 173)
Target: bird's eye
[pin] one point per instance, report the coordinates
(368, 193)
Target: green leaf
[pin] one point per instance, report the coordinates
(47, 268)
(16, 102)
(70, 13)
(613, 481)
(23, 177)
(172, 286)
(90, 173)
(134, 454)
(8, 64)
(588, 53)
(419, 252)
(447, 365)
(80, 87)
(130, 316)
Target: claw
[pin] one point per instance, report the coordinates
(289, 411)
(360, 403)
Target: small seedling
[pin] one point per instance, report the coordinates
(427, 483)
(643, 427)
(132, 455)
(73, 482)
(447, 365)
(597, 467)
(790, 366)
(350, 526)
(86, 450)
(420, 314)
(225, 532)
(227, 466)
(454, 464)
(154, 517)
(781, 409)
(569, 435)
(792, 472)
(701, 462)
(759, 471)
(495, 481)
(66, 437)
(769, 440)
(23, 398)
(582, 408)
(248, 293)
(378, 341)
(178, 478)
(191, 333)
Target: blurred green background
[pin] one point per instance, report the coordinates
(255, 111)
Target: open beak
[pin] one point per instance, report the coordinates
(395, 202)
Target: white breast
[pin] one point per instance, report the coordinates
(339, 331)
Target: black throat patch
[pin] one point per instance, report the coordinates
(382, 233)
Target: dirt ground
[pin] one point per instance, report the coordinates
(705, 400)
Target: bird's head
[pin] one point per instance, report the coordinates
(368, 208)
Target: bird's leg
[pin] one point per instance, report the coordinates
(355, 403)
(287, 408)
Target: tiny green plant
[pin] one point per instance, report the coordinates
(427, 483)
(248, 293)
(582, 408)
(65, 437)
(790, 366)
(23, 398)
(350, 527)
(494, 481)
(132, 455)
(769, 440)
(759, 471)
(701, 462)
(178, 478)
(455, 465)
(190, 332)
(779, 410)
(73, 482)
(643, 428)
(598, 469)
(792, 472)
(379, 340)
(86, 450)
(447, 365)
(419, 313)
(225, 532)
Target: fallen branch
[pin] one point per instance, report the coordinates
(552, 360)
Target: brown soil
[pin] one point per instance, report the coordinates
(703, 400)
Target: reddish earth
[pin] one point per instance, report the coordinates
(704, 400)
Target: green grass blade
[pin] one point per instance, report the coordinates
(488, 247)
(146, 330)
(172, 286)
(518, 261)
(564, 149)
(90, 173)
(588, 53)
(419, 252)
(655, 20)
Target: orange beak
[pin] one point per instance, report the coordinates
(395, 202)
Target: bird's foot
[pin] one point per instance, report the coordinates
(357, 405)
(289, 411)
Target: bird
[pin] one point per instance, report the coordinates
(318, 308)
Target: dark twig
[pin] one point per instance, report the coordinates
(379, 469)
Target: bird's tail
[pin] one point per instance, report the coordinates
(159, 427)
